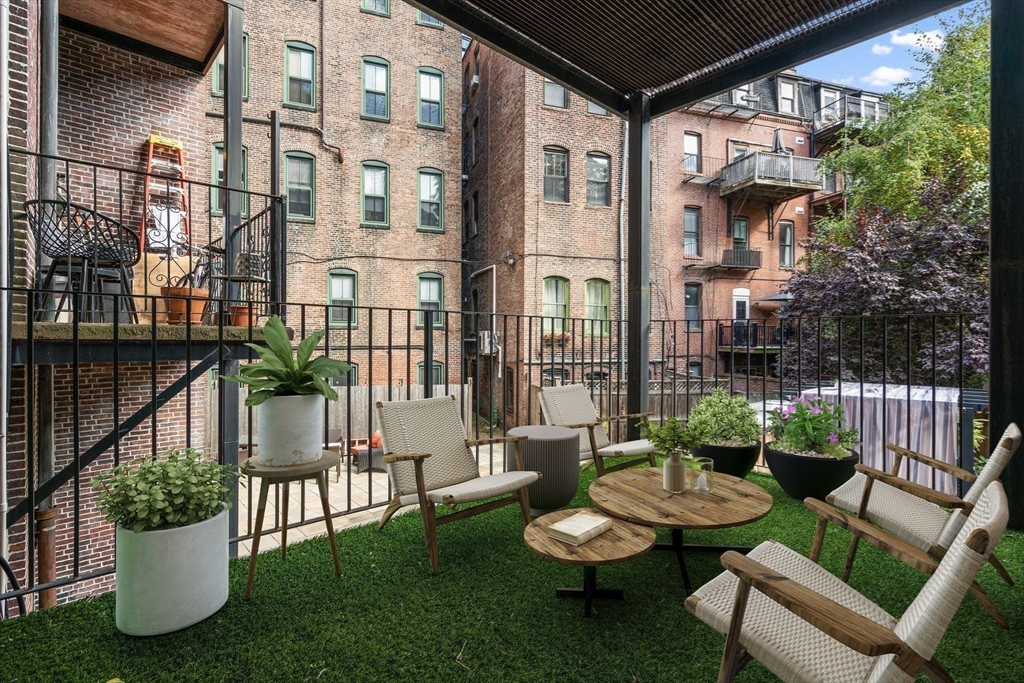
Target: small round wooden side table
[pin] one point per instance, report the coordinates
(621, 543)
(270, 476)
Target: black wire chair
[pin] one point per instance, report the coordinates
(86, 247)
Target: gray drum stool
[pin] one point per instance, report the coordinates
(555, 453)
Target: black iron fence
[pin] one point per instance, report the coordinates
(87, 395)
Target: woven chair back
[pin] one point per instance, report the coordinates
(430, 425)
(570, 404)
(66, 230)
(998, 461)
(927, 618)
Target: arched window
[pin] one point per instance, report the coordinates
(300, 184)
(376, 83)
(556, 174)
(431, 200)
(430, 297)
(691, 231)
(436, 374)
(786, 244)
(299, 75)
(599, 176)
(342, 297)
(597, 298)
(375, 194)
(556, 305)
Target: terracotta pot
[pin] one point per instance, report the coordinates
(243, 316)
(185, 301)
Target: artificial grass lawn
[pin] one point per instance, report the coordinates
(490, 615)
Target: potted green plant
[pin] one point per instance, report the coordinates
(171, 550)
(810, 454)
(730, 430)
(675, 440)
(289, 390)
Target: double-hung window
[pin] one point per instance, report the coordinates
(691, 231)
(382, 7)
(375, 194)
(425, 19)
(342, 296)
(599, 180)
(556, 304)
(217, 193)
(556, 175)
(786, 244)
(787, 97)
(691, 152)
(431, 291)
(431, 111)
(739, 234)
(431, 199)
(555, 95)
(220, 72)
(597, 310)
(436, 373)
(691, 306)
(595, 108)
(375, 88)
(300, 185)
(300, 75)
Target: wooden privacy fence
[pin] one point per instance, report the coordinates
(353, 412)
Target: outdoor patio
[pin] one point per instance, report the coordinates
(490, 614)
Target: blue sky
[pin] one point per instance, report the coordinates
(880, 63)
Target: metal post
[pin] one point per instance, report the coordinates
(278, 223)
(638, 325)
(1006, 373)
(428, 354)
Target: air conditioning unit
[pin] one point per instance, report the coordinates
(475, 81)
(487, 343)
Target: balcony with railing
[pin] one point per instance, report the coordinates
(702, 170)
(847, 111)
(728, 259)
(770, 176)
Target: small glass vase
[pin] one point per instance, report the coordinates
(703, 475)
(674, 473)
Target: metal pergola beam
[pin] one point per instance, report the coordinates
(797, 51)
(519, 47)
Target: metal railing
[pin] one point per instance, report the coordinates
(741, 258)
(701, 169)
(774, 168)
(848, 110)
(98, 234)
(121, 391)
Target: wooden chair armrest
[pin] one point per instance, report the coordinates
(880, 538)
(493, 439)
(581, 425)
(913, 488)
(615, 418)
(403, 457)
(957, 472)
(843, 624)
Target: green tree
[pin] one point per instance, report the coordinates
(936, 129)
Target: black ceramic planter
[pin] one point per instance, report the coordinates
(802, 476)
(734, 460)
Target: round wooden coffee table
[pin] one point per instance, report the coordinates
(622, 542)
(636, 495)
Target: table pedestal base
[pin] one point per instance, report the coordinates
(678, 547)
(590, 591)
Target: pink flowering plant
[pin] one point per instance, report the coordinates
(811, 425)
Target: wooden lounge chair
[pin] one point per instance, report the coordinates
(429, 462)
(915, 513)
(804, 624)
(570, 406)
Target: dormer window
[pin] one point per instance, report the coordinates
(787, 97)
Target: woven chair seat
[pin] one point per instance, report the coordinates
(638, 447)
(911, 518)
(480, 488)
(788, 646)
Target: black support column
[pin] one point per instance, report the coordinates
(1006, 373)
(638, 279)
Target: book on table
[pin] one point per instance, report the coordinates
(579, 528)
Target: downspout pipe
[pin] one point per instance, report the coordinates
(5, 275)
(622, 247)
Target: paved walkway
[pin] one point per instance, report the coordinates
(350, 490)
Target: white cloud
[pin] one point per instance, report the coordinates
(845, 81)
(877, 49)
(929, 40)
(884, 76)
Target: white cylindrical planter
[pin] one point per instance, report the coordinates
(290, 430)
(172, 578)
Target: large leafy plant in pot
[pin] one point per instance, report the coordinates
(289, 390)
(811, 453)
(729, 430)
(171, 517)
